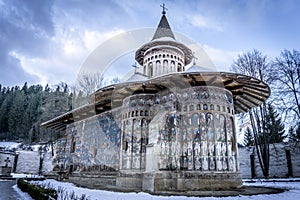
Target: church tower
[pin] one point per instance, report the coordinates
(163, 54)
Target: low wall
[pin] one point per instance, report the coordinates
(278, 160)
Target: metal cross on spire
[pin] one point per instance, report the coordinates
(164, 9)
(135, 67)
(194, 58)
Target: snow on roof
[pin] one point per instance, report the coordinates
(195, 68)
(136, 77)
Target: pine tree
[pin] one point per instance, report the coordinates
(4, 110)
(294, 133)
(248, 138)
(16, 115)
(273, 125)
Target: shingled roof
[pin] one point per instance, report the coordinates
(163, 29)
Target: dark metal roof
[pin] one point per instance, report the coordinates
(248, 92)
(163, 36)
(163, 29)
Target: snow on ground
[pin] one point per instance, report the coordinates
(21, 175)
(293, 192)
(24, 195)
(9, 145)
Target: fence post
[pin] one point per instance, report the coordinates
(289, 162)
(252, 163)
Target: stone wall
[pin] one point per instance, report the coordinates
(278, 160)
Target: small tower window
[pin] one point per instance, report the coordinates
(191, 107)
(179, 68)
(150, 69)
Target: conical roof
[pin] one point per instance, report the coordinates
(163, 36)
(163, 29)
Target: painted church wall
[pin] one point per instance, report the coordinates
(93, 144)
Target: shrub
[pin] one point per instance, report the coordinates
(35, 191)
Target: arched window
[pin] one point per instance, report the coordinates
(165, 66)
(150, 69)
(184, 108)
(158, 67)
(192, 108)
(195, 120)
(172, 66)
(179, 68)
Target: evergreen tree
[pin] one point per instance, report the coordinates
(23, 110)
(248, 138)
(294, 133)
(33, 112)
(16, 115)
(273, 125)
(4, 110)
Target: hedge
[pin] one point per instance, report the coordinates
(35, 191)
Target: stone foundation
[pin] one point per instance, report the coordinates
(191, 181)
(167, 181)
(159, 181)
(100, 180)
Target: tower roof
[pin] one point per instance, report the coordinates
(163, 29)
(163, 36)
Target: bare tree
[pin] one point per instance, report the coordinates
(87, 84)
(256, 64)
(286, 75)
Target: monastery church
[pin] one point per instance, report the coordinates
(169, 127)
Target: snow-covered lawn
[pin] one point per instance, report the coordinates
(293, 192)
(9, 145)
(21, 175)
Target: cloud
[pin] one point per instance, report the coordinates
(25, 28)
(45, 42)
(201, 21)
(223, 59)
(68, 51)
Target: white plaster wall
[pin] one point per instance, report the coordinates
(278, 162)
